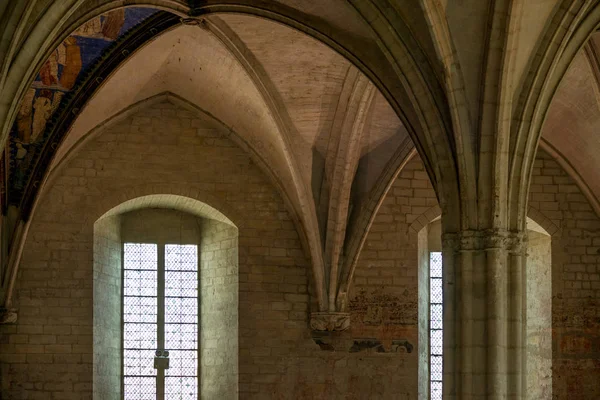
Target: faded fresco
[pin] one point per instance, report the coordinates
(58, 76)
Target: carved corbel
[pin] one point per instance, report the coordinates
(329, 321)
(8, 316)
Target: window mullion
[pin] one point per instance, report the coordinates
(160, 372)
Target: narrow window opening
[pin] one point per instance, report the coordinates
(435, 325)
(140, 295)
(181, 321)
(160, 320)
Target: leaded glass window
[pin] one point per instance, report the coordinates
(435, 325)
(160, 320)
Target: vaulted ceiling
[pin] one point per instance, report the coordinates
(324, 96)
(290, 81)
(317, 125)
(275, 87)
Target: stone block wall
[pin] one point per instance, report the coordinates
(385, 285)
(575, 228)
(107, 332)
(539, 315)
(384, 295)
(558, 205)
(164, 149)
(219, 304)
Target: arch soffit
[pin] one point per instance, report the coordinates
(192, 201)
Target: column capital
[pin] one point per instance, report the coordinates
(488, 239)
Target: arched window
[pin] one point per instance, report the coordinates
(165, 305)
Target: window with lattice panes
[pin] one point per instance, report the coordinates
(160, 321)
(435, 325)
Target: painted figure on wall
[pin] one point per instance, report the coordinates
(37, 108)
(106, 26)
(61, 69)
(113, 23)
(71, 57)
(43, 107)
(58, 76)
(24, 117)
(21, 157)
(59, 73)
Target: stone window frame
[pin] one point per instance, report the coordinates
(428, 241)
(218, 249)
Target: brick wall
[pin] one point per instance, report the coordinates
(559, 206)
(385, 285)
(163, 149)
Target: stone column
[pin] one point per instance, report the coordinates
(484, 306)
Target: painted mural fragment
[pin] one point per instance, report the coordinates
(58, 76)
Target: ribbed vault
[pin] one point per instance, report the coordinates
(303, 87)
(330, 99)
(323, 132)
